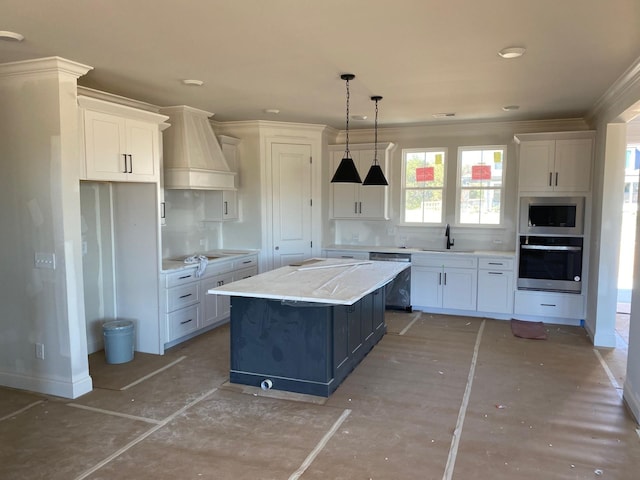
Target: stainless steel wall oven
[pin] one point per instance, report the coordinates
(550, 263)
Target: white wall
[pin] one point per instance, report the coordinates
(39, 193)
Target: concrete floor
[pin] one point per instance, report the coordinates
(440, 397)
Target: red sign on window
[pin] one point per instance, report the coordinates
(481, 172)
(424, 174)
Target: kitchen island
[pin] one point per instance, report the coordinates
(304, 328)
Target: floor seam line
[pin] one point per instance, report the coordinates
(320, 446)
(144, 435)
(457, 433)
(23, 409)
(115, 414)
(619, 390)
(160, 370)
(405, 329)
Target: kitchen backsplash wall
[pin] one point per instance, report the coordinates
(186, 232)
(377, 233)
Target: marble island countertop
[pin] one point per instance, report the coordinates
(177, 263)
(414, 250)
(331, 281)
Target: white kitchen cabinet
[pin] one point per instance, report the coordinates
(188, 308)
(495, 285)
(561, 164)
(121, 143)
(447, 281)
(350, 200)
(220, 205)
(548, 305)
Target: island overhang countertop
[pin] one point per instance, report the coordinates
(327, 280)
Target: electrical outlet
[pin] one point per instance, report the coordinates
(45, 260)
(40, 351)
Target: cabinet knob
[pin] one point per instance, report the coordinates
(277, 248)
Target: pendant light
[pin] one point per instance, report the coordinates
(347, 171)
(375, 175)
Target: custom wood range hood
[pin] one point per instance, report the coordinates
(193, 158)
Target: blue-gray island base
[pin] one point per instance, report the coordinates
(302, 347)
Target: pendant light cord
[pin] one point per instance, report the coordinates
(347, 152)
(375, 137)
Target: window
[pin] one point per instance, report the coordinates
(423, 173)
(480, 185)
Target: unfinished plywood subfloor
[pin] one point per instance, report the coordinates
(393, 418)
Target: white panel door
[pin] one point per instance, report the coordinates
(291, 213)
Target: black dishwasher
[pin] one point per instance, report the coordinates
(398, 291)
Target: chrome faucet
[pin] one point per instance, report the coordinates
(447, 233)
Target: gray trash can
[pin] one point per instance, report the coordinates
(118, 341)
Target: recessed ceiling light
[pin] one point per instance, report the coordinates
(358, 117)
(272, 111)
(444, 115)
(11, 36)
(512, 52)
(192, 82)
(510, 108)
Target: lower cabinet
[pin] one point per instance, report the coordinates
(187, 307)
(495, 285)
(549, 304)
(444, 281)
(302, 347)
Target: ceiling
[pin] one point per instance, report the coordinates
(423, 56)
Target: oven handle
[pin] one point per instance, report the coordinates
(563, 248)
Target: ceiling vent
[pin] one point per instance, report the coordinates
(193, 158)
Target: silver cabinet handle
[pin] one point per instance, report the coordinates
(445, 278)
(186, 295)
(440, 279)
(547, 305)
(495, 273)
(124, 155)
(130, 163)
(186, 321)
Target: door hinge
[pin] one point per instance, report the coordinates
(310, 159)
(311, 243)
(311, 202)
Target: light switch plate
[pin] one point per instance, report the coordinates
(45, 260)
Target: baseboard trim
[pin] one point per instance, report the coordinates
(632, 400)
(47, 386)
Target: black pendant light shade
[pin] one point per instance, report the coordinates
(375, 175)
(347, 171)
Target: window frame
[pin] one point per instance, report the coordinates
(460, 188)
(403, 187)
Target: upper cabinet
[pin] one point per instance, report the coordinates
(121, 143)
(350, 200)
(556, 162)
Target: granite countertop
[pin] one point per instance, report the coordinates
(221, 255)
(414, 250)
(327, 280)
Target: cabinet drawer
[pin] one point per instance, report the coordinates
(182, 322)
(245, 273)
(444, 260)
(347, 254)
(245, 262)
(548, 304)
(486, 263)
(181, 277)
(178, 297)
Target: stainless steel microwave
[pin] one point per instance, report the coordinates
(552, 215)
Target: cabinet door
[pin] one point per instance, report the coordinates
(340, 341)
(229, 204)
(209, 302)
(495, 291)
(345, 195)
(460, 288)
(224, 301)
(142, 148)
(373, 199)
(426, 286)
(573, 165)
(537, 165)
(355, 327)
(104, 146)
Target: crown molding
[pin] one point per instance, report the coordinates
(46, 65)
